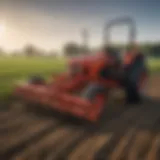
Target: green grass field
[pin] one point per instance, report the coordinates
(12, 69)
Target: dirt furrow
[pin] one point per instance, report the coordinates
(25, 136)
(154, 152)
(63, 154)
(56, 150)
(16, 125)
(8, 115)
(144, 135)
(118, 127)
(17, 121)
(124, 145)
(47, 143)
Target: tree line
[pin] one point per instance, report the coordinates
(74, 49)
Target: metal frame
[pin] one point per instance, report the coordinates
(120, 21)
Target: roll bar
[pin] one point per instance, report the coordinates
(117, 22)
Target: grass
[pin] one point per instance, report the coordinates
(154, 65)
(12, 69)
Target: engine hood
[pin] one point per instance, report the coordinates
(86, 59)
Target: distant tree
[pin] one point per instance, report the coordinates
(30, 50)
(84, 50)
(146, 49)
(151, 49)
(156, 50)
(71, 49)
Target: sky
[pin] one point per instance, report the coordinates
(49, 24)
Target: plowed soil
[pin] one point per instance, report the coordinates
(129, 133)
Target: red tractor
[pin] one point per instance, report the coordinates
(83, 91)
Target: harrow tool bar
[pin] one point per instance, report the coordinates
(60, 101)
